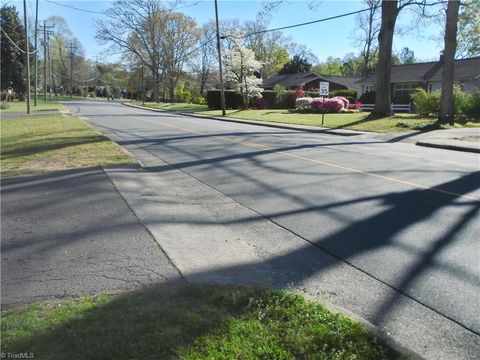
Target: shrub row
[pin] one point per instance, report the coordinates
(271, 99)
(331, 105)
(465, 105)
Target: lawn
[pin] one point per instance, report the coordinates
(36, 145)
(355, 121)
(187, 322)
(178, 107)
(21, 106)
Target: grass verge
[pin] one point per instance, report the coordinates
(188, 322)
(36, 145)
(21, 106)
(355, 121)
(180, 107)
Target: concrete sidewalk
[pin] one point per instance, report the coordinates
(464, 139)
(212, 238)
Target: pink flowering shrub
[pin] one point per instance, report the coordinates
(356, 106)
(317, 104)
(344, 100)
(333, 105)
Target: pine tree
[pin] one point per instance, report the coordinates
(12, 59)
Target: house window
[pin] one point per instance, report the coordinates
(367, 88)
(404, 89)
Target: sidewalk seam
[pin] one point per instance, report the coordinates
(152, 237)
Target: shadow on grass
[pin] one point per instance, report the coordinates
(177, 320)
(48, 144)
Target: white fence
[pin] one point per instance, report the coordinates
(393, 107)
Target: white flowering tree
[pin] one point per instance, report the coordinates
(240, 70)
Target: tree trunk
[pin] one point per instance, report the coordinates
(446, 115)
(385, 40)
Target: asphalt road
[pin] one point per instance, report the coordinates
(70, 233)
(404, 215)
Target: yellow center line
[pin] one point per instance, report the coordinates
(266, 147)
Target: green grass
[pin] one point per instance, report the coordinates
(21, 106)
(188, 322)
(36, 145)
(180, 107)
(355, 121)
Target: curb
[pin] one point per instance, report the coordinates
(303, 128)
(448, 147)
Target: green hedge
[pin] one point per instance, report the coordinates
(233, 99)
(349, 94)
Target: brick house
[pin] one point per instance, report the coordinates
(428, 75)
(311, 81)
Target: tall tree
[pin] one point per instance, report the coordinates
(177, 43)
(469, 29)
(390, 11)
(241, 69)
(136, 27)
(407, 56)
(270, 48)
(12, 67)
(446, 114)
(366, 33)
(204, 61)
(298, 64)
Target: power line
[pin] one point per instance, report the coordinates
(18, 47)
(311, 22)
(76, 8)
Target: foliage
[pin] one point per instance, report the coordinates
(241, 69)
(317, 104)
(182, 94)
(303, 103)
(407, 56)
(200, 100)
(344, 93)
(299, 92)
(472, 106)
(468, 39)
(258, 103)
(426, 103)
(4, 105)
(233, 99)
(297, 64)
(12, 61)
(155, 34)
(367, 97)
(349, 65)
(344, 100)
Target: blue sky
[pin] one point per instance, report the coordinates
(331, 38)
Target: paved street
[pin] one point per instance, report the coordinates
(70, 233)
(388, 231)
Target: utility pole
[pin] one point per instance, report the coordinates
(143, 85)
(44, 61)
(222, 87)
(36, 54)
(95, 81)
(45, 49)
(50, 75)
(72, 52)
(27, 53)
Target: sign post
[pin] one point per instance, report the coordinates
(323, 90)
